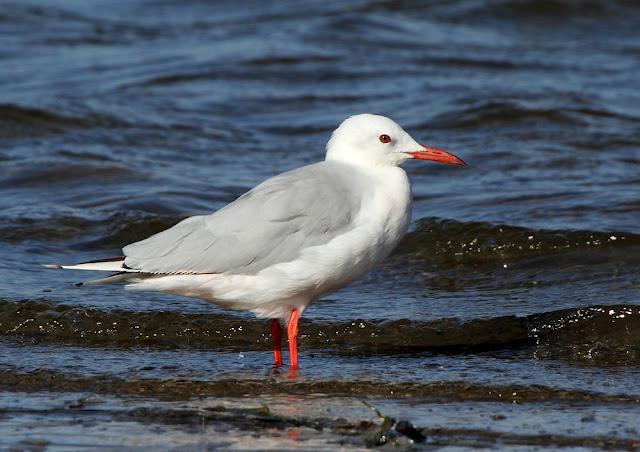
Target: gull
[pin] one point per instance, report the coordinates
(292, 239)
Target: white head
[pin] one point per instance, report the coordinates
(372, 140)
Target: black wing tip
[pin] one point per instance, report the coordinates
(97, 261)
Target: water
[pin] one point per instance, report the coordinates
(509, 316)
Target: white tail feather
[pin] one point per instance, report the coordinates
(104, 266)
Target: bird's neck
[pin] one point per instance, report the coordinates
(359, 161)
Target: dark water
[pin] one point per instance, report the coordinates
(510, 315)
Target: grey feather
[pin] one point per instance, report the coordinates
(270, 224)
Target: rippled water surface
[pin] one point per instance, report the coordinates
(509, 316)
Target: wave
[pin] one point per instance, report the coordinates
(514, 11)
(597, 334)
(552, 8)
(25, 175)
(501, 112)
(18, 121)
(443, 241)
(115, 230)
(16, 230)
(183, 389)
(123, 228)
(456, 241)
(14, 117)
(606, 335)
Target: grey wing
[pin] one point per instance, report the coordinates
(270, 224)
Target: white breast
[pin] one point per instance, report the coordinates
(379, 226)
(388, 212)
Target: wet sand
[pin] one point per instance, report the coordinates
(44, 408)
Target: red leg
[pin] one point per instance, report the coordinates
(292, 332)
(276, 336)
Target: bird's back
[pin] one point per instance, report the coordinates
(270, 224)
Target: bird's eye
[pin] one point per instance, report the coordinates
(384, 138)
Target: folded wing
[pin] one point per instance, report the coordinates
(270, 224)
